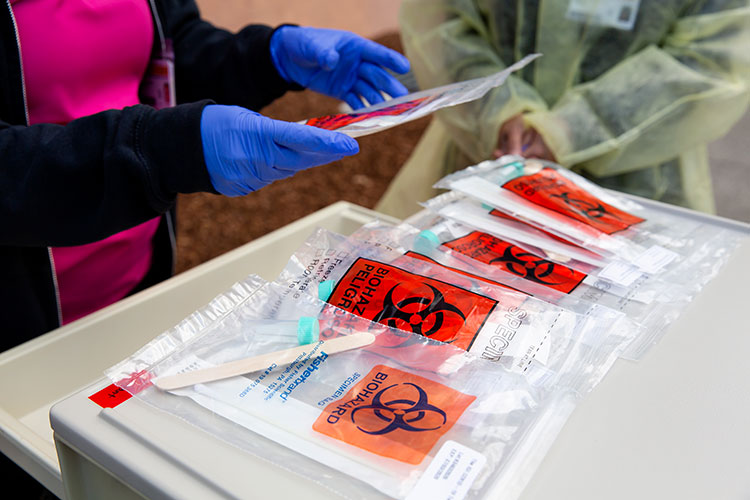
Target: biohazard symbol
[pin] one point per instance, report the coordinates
(410, 412)
(593, 211)
(424, 315)
(526, 265)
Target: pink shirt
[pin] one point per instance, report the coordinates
(81, 57)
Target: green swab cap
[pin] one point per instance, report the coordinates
(518, 166)
(325, 289)
(308, 330)
(426, 242)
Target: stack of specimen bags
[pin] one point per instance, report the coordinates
(645, 262)
(461, 367)
(569, 207)
(376, 419)
(642, 313)
(492, 320)
(510, 328)
(691, 271)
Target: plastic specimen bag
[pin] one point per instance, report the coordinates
(463, 209)
(175, 338)
(389, 417)
(649, 306)
(568, 206)
(511, 328)
(457, 214)
(687, 274)
(416, 105)
(432, 238)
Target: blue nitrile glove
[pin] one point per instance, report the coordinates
(337, 63)
(245, 151)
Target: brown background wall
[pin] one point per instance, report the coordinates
(369, 18)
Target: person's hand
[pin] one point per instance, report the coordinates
(515, 138)
(510, 139)
(337, 63)
(535, 147)
(245, 151)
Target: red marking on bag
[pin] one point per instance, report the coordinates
(547, 188)
(493, 251)
(394, 414)
(110, 397)
(335, 122)
(400, 299)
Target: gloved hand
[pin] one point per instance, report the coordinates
(337, 63)
(245, 151)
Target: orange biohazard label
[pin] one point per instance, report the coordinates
(394, 414)
(335, 122)
(493, 251)
(389, 295)
(549, 189)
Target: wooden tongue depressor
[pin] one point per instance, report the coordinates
(261, 362)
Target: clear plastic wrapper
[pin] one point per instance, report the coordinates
(568, 206)
(683, 279)
(170, 341)
(416, 105)
(458, 214)
(407, 416)
(495, 322)
(461, 208)
(649, 306)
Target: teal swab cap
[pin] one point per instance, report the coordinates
(518, 167)
(426, 242)
(325, 289)
(511, 171)
(308, 330)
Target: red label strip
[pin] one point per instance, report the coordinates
(110, 397)
(547, 188)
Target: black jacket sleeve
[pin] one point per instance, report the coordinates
(100, 174)
(97, 175)
(211, 63)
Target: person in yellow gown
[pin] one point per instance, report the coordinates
(627, 93)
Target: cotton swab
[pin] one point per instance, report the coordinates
(263, 361)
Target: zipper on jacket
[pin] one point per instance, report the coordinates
(163, 45)
(171, 231)
(159, 28)
(26, 115)
(172, 241)
(57, 287)
(20, 61)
